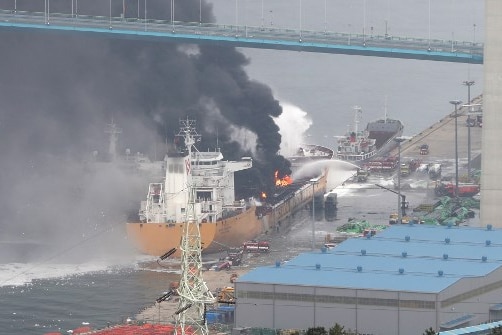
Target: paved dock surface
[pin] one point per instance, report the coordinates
(440, 137)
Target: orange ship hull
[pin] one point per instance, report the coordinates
(157, 238)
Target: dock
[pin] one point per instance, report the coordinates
(440, 137)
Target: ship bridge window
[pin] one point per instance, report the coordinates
(204, 195)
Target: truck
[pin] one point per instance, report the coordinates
(256, 246)
(435, 171)
(382, 164)
(361, 176)
(394, 219)
(330, 201)
(424, 149)
(405, 169)
(226, 295)
(234, 255)
(464, 190)
(477, 120)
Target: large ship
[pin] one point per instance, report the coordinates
(224, 222)
(376, 140)
(356, 146)
(384, 131)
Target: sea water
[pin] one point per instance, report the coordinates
(38, 298)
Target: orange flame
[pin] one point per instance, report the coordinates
(263, 195)
(284, 181)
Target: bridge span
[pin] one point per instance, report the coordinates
(245, 36)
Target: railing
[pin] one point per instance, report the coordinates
(266, 36)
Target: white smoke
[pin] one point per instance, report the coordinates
(293, 125)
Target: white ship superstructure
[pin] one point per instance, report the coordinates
(213, 180)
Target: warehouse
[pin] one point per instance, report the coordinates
(403, 280)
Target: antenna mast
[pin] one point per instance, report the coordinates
(357, 118)
(113, 130)
(194, 294)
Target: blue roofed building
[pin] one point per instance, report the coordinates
(402, 280)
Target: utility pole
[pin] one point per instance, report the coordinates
(469, 83)
(400, 204)
(456, 103)
(313, 181)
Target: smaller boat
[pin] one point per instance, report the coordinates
(356, 146)
(309, 152)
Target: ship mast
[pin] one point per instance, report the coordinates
(193, 291)
(357, 118)
(113, 130)
(385, 110)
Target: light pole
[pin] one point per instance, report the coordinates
(456, 103)
(313, 181)
(429, 49)
(350, 32)
(325, 17)
(468, 83)
(399, 203)
(300, 20)
(110, 14)
(364, 22)
(172, 14)
(236, 14)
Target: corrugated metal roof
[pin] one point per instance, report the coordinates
(414, 258)
(484, 328)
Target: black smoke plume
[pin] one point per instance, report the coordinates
(58, 93)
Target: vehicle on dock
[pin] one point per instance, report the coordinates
(464, 190)
(424, 149)
(409, 167)
(235, 255)
(405, 169)
(226, 295)
(423, 168)
(394, 219)
(224, 265)
(329, 245)
(381, 165)
(361, 176)
(474, 121)
(435, 171)
(256, 246)
(331, 200)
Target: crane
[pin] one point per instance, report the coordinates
(404, 204)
